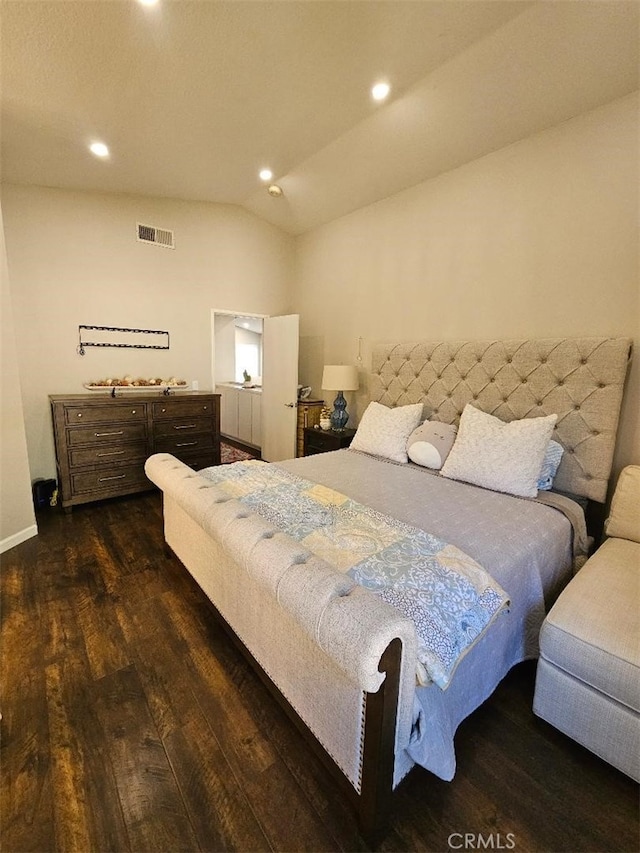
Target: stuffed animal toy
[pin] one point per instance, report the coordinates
(430, 443)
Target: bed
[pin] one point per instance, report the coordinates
(347, 661)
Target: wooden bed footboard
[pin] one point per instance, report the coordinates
(374, 801)
(373, 804)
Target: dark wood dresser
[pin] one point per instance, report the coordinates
(102, 442)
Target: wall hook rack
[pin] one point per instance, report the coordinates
(112, 336)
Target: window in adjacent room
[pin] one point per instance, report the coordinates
(248, 351)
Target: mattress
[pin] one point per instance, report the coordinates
(527, 546)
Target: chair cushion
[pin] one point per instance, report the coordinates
(592, 631)
(624, 518)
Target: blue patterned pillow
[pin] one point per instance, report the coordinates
(550, 463)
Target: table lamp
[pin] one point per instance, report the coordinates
(339, 377)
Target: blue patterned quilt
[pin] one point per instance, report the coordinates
(449, 597)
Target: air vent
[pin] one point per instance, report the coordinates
(158, 236)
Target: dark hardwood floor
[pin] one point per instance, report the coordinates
(131, 723)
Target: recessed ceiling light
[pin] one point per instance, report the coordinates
(380, 91)
(147, 2)
(99, 149)
(266, 174)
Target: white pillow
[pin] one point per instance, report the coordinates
(384, 432)
(505, 457)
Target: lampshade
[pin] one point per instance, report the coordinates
(340, 377)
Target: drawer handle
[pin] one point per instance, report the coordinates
(186, 426)
(111, 453)
(101, 434)
(79, 414)
(104, 479)
(186, 443)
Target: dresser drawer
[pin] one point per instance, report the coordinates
(181, 444)
(109, 479)
(108, 455)
(105, 413)
(107, 434)
(181, 427)
(182, 408)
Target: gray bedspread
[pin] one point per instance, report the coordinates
(525, 545)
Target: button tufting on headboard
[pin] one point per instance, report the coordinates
(580, 379)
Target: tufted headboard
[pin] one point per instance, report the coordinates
(580, 379)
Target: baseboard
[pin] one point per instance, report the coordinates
(18, 538)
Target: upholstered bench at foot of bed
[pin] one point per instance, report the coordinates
(588, 679)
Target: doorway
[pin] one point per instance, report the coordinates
(259, 412)
(236, 347)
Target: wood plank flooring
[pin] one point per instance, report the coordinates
(131, 723)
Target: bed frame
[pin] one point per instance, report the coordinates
(374, 802)
(249, 572)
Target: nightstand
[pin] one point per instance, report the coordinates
(322, 441)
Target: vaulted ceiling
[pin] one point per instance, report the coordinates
(193, 97)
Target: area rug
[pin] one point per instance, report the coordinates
(229, 454)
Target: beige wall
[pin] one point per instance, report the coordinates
(17, 518)
(537, 239)
(74, 259)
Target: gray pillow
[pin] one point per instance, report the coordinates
(430, 444)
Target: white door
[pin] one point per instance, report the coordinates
(279, 387)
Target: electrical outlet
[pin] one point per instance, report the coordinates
(195, 385)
